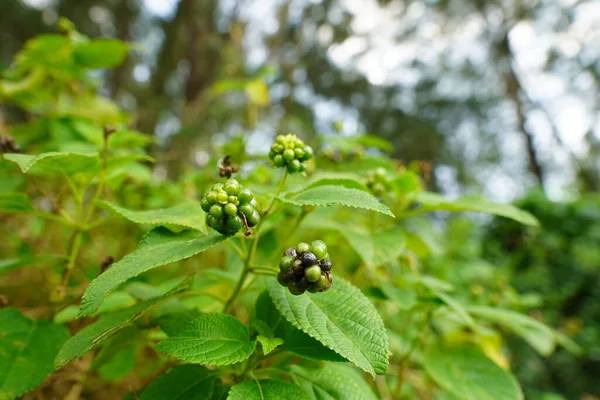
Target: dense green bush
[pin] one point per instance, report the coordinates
(115, 286)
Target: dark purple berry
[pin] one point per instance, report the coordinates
(295, 289)
(326, 265)
(308, 259)
(303, 284)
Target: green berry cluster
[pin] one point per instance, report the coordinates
(290, 152)
(305, 267)
(377, 182)
(230, 206)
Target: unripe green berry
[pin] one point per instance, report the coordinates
(280, 139)
(326, 257)
(222, 198)
(253, 219)
(319, 249)
(234, 224)
(298, 153)
(290, 145)
(285, 263)
(232, 199)
(289, 155)
(230, 209)
(218, 225)
(247, 209)
(313, 274)
(211, 197)
(278, 161)
(277, 148)
(245, 196)
(283, 278)
(302, 247)
(232, 187)
(294, 166)
(216, 211)
(299, 144)
(308, 153)
(322, 282)
(205, 204)
(217, 187)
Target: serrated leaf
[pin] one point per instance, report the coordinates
(324, 196)
(266, 390)
(211, 339)
(539, 336)
(14, 203)
(294, 340)
(159, 247)
(69, 163)
(27, 352)
(434, 202)
(100, 53)
(269, 343)
(342, 319)
(183, 382)
(107, 325)
(334, 382)
(470, 375)
(189, 215)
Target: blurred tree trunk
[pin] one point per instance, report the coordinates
(124, 14)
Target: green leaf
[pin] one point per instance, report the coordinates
(455, 306)
(294, 340)
(334, 382)
(324, 196)
(388, 245)
(69, 163)
(342, 319)
(189, 215)
(159, 247)
(107, 325)
(14, 203)
(120, 364)
(539, 336)
(470, 375)
(434, 202)
(12, 263)
(183, 382)
(101, 53)
(333, 180)
(212, 339)
(27, 351)
(269, 343)
(266, 390)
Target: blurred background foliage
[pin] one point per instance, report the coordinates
(495, 96)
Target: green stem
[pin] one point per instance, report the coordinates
(250, 254)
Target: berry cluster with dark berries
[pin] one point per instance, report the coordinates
(230, 207)
(305, 267)
(377, 182)
(290, 152)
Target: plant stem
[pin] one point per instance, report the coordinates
(250, 255)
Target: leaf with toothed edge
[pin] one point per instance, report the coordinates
(342, 319)
(325, 196)
(266, 390)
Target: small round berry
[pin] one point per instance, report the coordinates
(245, 196)
(277, 148)
(319, 248)
(312, 274)
(290, 145)
(308, 259)
(295, 289)
(232, 187)
(322, 282)
(303, 167)
(299, 144)
(294, 166)
(286, 263)
(232, 199)
(230, 209)
(326, 257)
(219, 225)
(278, 161)
(298, 153)
(283, 278)
(222, 198)
(211, 197)
(308, 153)
(217, 187)
(234, 224)
(216, 211)
(205, 204)
(247, 209)
(288, 155)
(303, 284)
(280, 139)
(326, 265)
(290, 252)
(253, 219)
(271, 154)
(253, 202)
(302, 247)
(210, 220)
